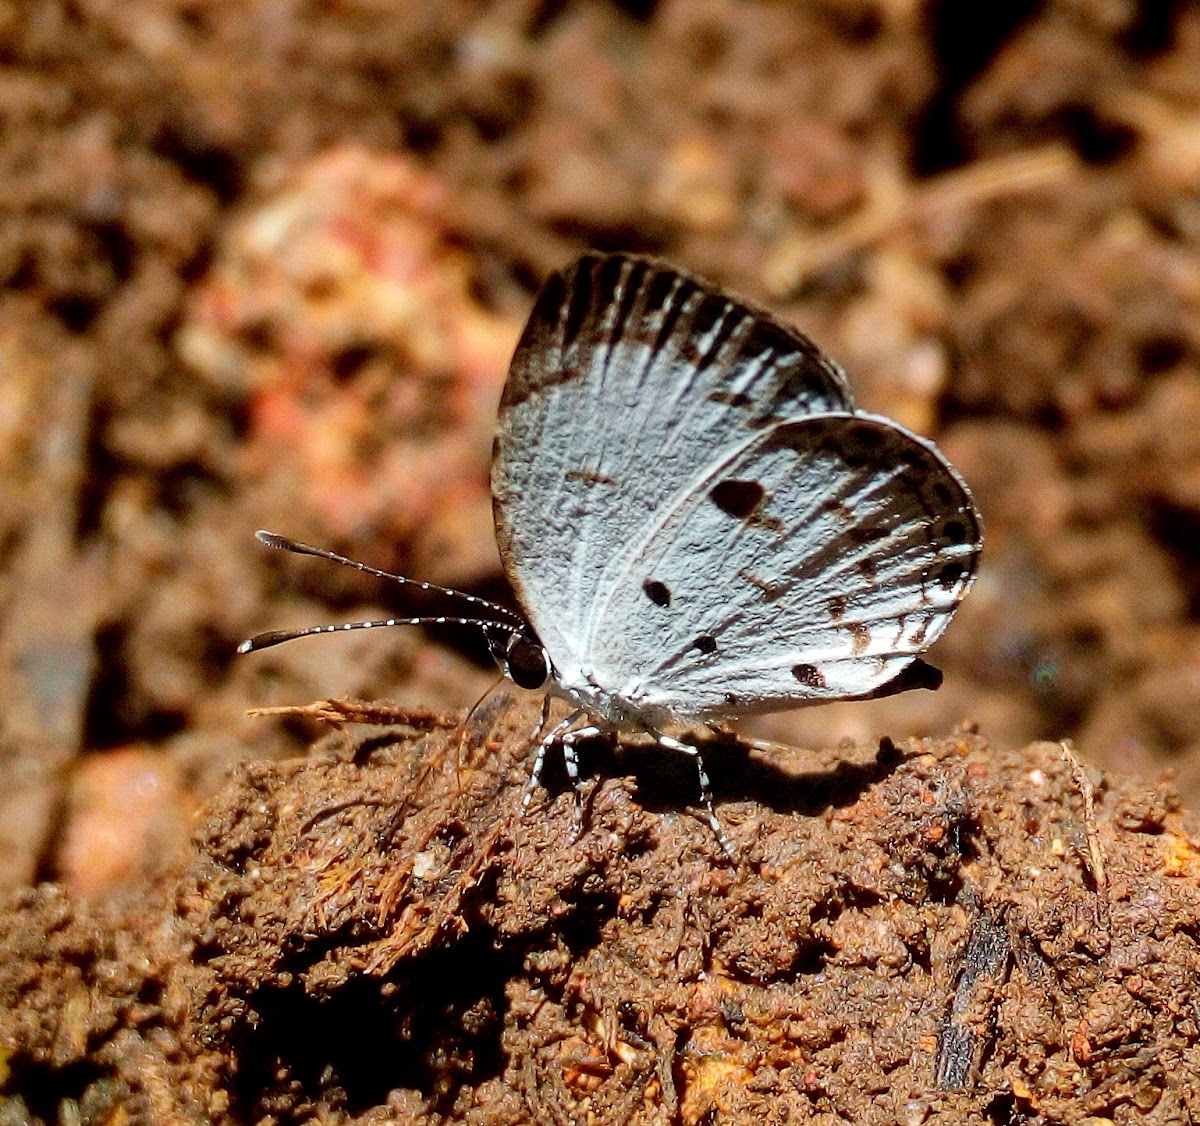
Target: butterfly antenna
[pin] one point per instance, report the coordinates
(279, 636)
(282, 543)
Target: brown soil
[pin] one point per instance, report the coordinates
(262, 265)
(935, 932)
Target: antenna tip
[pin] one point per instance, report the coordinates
(246, 646)
(269, 538)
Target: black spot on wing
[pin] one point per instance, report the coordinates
(657, 592)
(955, 531)
(739, 400)
(911, 455)
(839, 510)
(589, 477)
(771, 591)
(809, 675)
(736, 498)
(849, 440)
(705, 643)
(868, 533)
(950, 574)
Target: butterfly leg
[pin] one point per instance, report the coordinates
(571, 760)
(539, 760)
(540, 726)
(706, 797)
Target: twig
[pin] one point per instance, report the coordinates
(1095, 848)
(339, 712)
(893, 208)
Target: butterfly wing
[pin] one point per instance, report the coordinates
(629, 374)
(813, 564)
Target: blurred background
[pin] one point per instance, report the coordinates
(262, 264)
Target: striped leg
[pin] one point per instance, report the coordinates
(559, 730)
(571, 760)
(706, 797)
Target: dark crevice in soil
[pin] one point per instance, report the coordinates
(186, 485)
(811, 959)
(102, 469)
(219, 170)
(965, 39)
(1153, 30)
(641, 10)
(1047, 416)
(642, 239)
(1002, 1110)
(109, 719)
(76, 312)
(1179, 531)
(1097, 140)
(430, 1034)
(46, 1089)
(858, 25)
(1157, 354)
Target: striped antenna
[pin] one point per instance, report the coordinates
(279, 636)
(282, 543)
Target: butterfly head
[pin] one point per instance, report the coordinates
(521, 657)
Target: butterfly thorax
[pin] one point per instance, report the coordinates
(623, 707)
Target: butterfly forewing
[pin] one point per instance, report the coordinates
(629, 377)
(813, 564)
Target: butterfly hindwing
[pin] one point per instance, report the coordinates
(628, 377)
(813, 564)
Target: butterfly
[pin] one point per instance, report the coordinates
(697, 522)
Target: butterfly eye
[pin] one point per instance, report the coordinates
(527, 663)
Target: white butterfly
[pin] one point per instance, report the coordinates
(697, 522)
